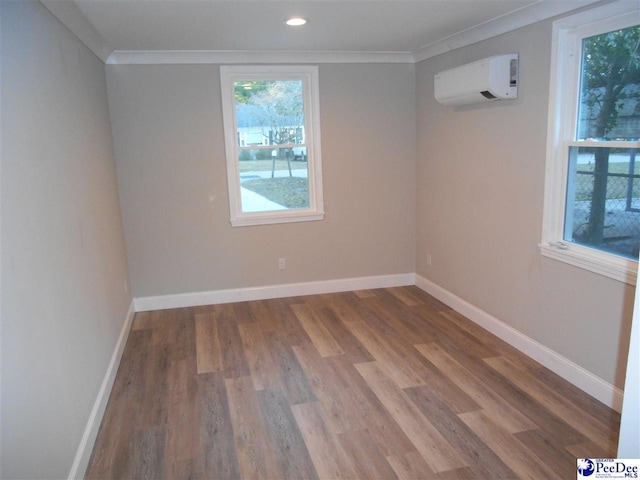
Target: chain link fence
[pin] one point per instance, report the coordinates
(621, 229)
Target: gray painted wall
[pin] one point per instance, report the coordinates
(63, 255)
(168, 137)
(480, 190)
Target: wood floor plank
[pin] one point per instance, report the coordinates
(111, 452)
(287, 440)
(581, 421)
(452, 334)
(485, 464)
(411, 466)
(148, 320)
(439, 454)
(570, 392)
(320, 336)
(234, 361)
(389, 360)
(477, 332)
(405, 296)
(217, 459)
(437, 385)
(362, 402)
(289, 329)
(154, 387)
(120, 446)
(208, 351)
(512, 452)
(163, 325)
(263, 371)
(342, 306)
(242, 313)
(375, 318)
(466, 473)
(147, 461)
(555, 429)
(333, 400)
(182, 414)
(142, 321)
(365, 293)
(175, 328)
(256, 456)
(264, 315)
(180, 469)
(328, 456)
(510, 418)
(588, 449)
(294, 379)
(347, 403)
(349, 344)
(557, 459)
(404, 322)
(433, 303)
(131, 377)
(367, 459)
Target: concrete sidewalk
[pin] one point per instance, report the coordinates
(252, 202)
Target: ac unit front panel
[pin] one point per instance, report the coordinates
(482, 81)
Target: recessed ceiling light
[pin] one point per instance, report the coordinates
(296, 21)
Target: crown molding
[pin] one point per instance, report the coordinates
(511, 21)
(121, 57)
(70, 15)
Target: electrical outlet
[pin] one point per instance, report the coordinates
(282, 264)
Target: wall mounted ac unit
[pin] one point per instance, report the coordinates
(486, 80)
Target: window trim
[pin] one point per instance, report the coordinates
(309, 76)
(566, 43)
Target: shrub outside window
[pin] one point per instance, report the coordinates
(272, 143)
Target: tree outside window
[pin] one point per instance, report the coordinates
(603, 191)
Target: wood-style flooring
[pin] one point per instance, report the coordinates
(376, 384)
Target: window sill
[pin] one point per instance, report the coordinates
(277, 217)
(612, 266)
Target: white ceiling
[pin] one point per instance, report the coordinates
(404, 28)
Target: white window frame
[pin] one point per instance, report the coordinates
(309, 77)
(564, 95)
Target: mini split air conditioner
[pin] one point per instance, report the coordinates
(492, 78)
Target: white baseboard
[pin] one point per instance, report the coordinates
(570, 371)
(83, 454)
(162, 302)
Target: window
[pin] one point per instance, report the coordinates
(592, 196)
(272, 141)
